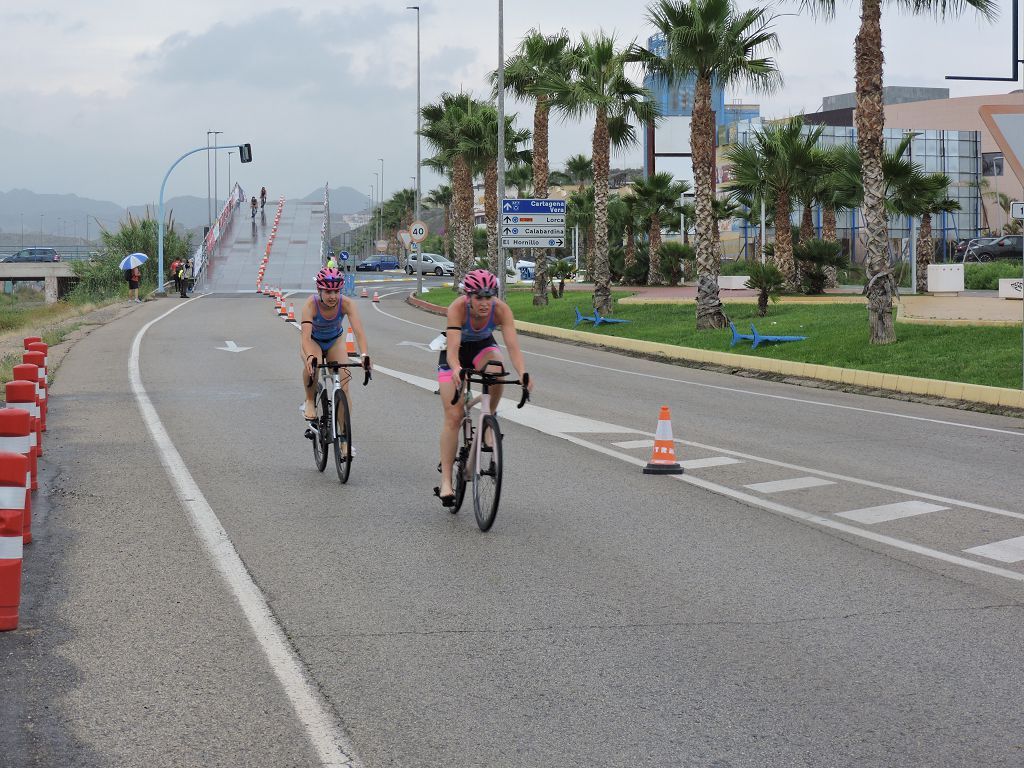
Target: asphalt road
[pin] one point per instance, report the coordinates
(609, 617)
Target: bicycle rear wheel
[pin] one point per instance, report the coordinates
(487, 477)
(322, 426)
(343, 441)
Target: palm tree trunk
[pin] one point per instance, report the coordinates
(602, 271)
(807, 224)
(491, 215)
(462, 192)
(925, 252)
(710, 313)
(653, 246)
(447, 241)
(540, 189)
(870, 120)
(784, 240)
(828, 234)
(629, 258)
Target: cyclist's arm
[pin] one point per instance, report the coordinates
(309, 347)
(453, 335)
(349, 308)
(503, 316)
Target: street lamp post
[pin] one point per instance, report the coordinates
(501, 138)
(229, 173)
(216, 164)
(380, 234)
(376, 212)
(419, 272)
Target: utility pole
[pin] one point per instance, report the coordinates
(416, 246)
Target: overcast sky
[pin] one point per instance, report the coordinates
(100, 98)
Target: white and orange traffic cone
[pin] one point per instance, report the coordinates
(663, 456)
(376, 297)
(364, 294)
(350, 343)
(291, 313)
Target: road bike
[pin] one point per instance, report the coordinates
(479, 458)
(333, 423)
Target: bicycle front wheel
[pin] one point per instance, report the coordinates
(487, 476)
(323, 429)
(343, 436)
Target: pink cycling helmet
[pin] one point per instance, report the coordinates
(329, 279)
(480, 280)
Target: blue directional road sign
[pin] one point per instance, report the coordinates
(344, 255)
(528, 205)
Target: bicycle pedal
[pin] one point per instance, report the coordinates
(310, 433)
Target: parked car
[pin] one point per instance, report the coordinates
(967, 249)
(429, 263)
(33, 254)
(1006, 247)
(377, 263)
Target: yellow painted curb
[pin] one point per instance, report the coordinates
(954, 390)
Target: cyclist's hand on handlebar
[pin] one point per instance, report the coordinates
(311, 364)
(527, 385)
(368, 368)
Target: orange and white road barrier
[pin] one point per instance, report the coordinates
(38, 359)
(12, 515)
(16, 436)
(364, 294)
(22, 394)
(376, 296)
(350, 343)
(291, 313)
(663, 457)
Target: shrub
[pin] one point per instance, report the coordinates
(670, 261)
(813, 257)
(767, 280)
(985, 277)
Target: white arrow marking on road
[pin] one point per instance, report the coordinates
(232, 347)
(417, 344)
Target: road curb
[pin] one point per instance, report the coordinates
(999, 397)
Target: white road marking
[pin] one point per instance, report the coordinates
(791, 484)
(635, 444)
(887, 512)
(331, 746)
(230, 346)
(712, 461)
(1007, 551)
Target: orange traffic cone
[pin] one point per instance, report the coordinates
(364, 294)
(350, 343)
(291, 312)
(376, 297)
(663, 457)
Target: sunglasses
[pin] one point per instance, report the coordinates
(331, 290)
(485, 294)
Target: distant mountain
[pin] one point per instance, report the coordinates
(343, 199)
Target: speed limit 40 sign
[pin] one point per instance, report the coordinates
(418, 231)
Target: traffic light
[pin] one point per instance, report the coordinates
(245, 153)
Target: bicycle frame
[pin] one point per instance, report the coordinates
(330, 379)
(486, 380)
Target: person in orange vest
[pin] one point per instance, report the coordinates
(175, 266)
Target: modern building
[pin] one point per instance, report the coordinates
(675, 102)
(838, 109)
(956, 153)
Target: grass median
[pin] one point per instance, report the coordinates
(837, 335)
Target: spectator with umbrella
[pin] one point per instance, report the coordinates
(130, 265)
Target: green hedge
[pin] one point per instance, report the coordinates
(986, 277)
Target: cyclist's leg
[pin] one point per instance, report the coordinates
(483, 358)
(450, 427)
(309, 409)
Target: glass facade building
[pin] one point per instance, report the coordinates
(954, 153)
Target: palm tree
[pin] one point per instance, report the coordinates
(657, 196)
(520, 176)
(869, 120)
(527, 73)
(579, 212)
(633, 216)
(445, 123)
(441, 197)
(709, 41)
(596, 83)
(579, 169)
(773, 164)
(480, 147)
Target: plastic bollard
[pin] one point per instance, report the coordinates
(38, 346)
(16, 436)
(12, 501)
(29, 372)
(22, 394)
(38, 359)
(31, 340)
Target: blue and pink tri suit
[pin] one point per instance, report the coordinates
(326, 331)
(475, 343)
